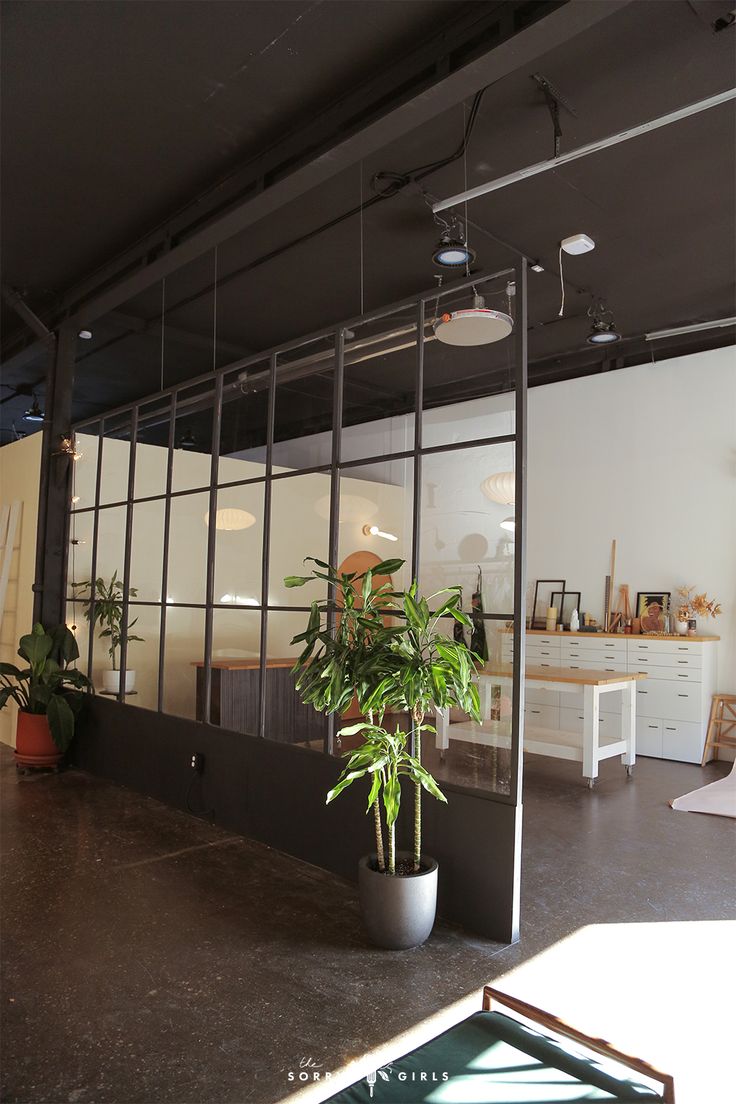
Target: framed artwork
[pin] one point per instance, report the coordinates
(543, 599)
(566, 601)
(651, 607)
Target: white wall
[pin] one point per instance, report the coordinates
(19, 476)
(645, 455)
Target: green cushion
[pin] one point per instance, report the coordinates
(492, 1059)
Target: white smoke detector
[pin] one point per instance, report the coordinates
(577, 244)
(477, 325)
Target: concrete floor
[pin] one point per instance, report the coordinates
(151, 957)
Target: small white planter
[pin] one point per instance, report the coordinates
(681, 627)
(111, 681)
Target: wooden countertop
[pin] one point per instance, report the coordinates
(579, 676)
(244, 664)
(616, 636)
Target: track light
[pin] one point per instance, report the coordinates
(34, 413)
(602, 327)
(451, 252)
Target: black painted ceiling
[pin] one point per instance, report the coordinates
(116, 115)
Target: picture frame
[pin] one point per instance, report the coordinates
(658, 603)
(566, 601)
(557, 586)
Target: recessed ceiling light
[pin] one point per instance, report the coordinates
(452, 253)
(86, 335)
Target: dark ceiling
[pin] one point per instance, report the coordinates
(118, 117)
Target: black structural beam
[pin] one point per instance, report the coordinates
(55, 482)
(435, 77)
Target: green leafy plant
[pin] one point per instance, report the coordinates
(48, 685)
(385, 648)
(107, 611)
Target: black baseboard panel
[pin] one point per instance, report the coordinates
(275, 793)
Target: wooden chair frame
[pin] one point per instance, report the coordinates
(600, 1046)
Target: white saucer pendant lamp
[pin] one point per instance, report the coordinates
(500, 487)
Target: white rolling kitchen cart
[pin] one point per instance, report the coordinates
(672, 706)
(588, 746)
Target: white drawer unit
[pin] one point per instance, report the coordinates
(649, 737)
(672, 705)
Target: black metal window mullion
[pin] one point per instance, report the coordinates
(265, 562)
(211, 549)
(337, 412)
(93, 566)
(519, 658)
(165, 563)
(127, 554)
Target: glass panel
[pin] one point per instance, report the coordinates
(303, 407)
(376, 516)
(193, 437)
(379, 387)
(187, 580)
(462, 539)
(300, 527)
(244, 423)
(84, 473)
(239, 545)
(236, 646)
(473, 755)
(184, 650)
(288, 720)
(142, 662)
(115, 460)
(152, 448)
(455, 375)
(147, 550)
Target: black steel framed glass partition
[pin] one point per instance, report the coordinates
(369, 439)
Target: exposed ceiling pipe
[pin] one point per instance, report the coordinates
(585, 151)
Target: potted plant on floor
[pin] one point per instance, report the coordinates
(48, 693)
(386, 650)
(108, 613)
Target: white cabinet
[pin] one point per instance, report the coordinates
(672, 705)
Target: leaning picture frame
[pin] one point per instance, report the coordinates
(651, 608)
(556, 586)
(566, 601)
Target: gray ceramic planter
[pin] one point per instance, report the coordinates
(398, 912)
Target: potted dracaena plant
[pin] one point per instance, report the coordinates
(107, 612)
(48, 693)
(384, 648)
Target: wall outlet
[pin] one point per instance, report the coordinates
(197, 762)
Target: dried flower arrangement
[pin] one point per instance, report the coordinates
(698, 605)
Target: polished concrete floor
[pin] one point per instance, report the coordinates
(150, 957)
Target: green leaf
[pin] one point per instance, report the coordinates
(61, 721)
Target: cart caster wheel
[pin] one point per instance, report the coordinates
(630, 770)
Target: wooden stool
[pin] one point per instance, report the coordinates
(720, 725)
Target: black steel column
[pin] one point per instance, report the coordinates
(55, 482)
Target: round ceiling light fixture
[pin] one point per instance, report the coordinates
(500, 487)
(477, 325)
(602, 327)
(34, 412)
(451, 252)
(230, 519)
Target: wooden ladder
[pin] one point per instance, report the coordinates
(721, 726)
(9, 520)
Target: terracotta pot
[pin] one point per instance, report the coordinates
(34, 746)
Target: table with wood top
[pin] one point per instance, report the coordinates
(589, 750)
